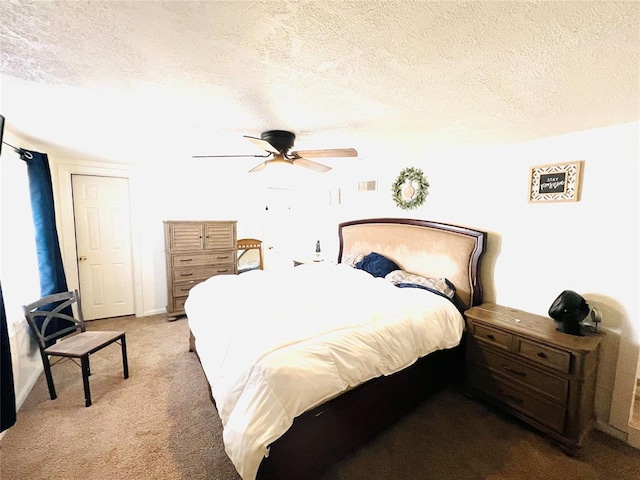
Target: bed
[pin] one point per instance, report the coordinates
(345, 353)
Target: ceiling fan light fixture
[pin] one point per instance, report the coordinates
(279, 158)
(278, 162)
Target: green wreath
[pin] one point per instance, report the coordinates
(410, 188)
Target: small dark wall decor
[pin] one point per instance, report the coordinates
(556, 182)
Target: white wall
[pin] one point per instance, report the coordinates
(595, 240)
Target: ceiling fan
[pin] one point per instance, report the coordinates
(278, 145)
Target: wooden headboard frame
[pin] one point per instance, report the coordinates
(429, 249)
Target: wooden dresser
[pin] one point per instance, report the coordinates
(195, 251)
(519, 362)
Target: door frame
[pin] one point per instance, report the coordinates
(65, 219)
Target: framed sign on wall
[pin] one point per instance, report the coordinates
(555, 182)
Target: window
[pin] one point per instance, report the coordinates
(18, 258)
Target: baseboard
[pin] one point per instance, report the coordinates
(633, 438)
(612, 431)
(22, 395)
(157, 311)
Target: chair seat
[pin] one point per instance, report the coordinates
(83, 343)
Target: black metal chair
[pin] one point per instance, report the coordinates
(73, 341)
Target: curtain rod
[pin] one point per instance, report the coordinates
(21, 151)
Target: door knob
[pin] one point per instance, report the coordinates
(82, 258)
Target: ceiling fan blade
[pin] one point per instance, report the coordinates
(318, 167)
(230, 156)
(258, 167)
(263, 144)
(329, 152)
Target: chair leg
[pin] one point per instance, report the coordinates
(125, 363)
(47, 374)
(85, 380)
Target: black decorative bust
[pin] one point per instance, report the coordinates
(570, 309)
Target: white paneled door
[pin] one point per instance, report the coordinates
(103, 242)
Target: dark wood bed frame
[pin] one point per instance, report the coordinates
(322, 436)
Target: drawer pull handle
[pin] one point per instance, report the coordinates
(517, 400)
(515, 372)
(186, 274)
(542, 354)
(222, 258)
(186, 259)
(223, 271)
(491, 337)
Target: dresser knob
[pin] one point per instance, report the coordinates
(542, 354)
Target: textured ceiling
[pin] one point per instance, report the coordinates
(143, 78)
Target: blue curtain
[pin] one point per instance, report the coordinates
(52, 277)
(7, 392)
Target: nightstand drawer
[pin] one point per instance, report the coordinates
(544, 355)
(492, 336)
(539, 409)
(556, 388)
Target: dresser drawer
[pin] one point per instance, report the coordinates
(182, 289)
(537, 408)
(184, 275)
(178, 304)
(544, 355)
(551, 386)
(492, 336)
(196, 259)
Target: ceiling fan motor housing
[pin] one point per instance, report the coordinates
(280, 139)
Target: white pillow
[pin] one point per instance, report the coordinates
(442, 285)
(352, 259)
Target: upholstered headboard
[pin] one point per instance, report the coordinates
(422, 247)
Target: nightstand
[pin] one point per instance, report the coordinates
(303, 261)
(520, 363)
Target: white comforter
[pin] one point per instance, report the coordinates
(274, 344)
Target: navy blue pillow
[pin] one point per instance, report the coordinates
(377, 265)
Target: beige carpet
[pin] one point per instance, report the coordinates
(160, 424)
